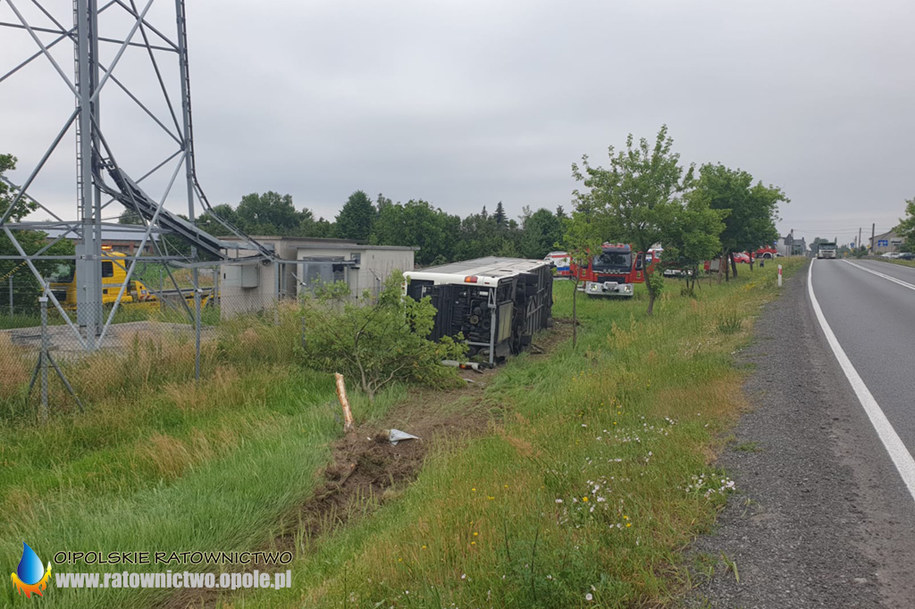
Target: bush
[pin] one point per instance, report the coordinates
(378, 342)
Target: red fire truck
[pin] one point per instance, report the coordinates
(612, 272)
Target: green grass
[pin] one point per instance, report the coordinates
(159, 462)
(173, 474)
(748, 447)
(18, 320)
(627, 423)
(910, 263)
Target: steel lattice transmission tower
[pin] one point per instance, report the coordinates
(126, 54)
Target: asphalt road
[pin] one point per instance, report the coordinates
(873, 318)
(822, 517)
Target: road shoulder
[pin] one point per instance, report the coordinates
(813, 522)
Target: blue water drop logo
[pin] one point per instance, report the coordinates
(30, 569)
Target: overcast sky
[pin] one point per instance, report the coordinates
(467, 103)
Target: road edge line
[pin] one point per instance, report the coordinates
(904, 284)
(897, 451)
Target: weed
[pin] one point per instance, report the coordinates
(731, 565)
(748, 447)
(730, 322)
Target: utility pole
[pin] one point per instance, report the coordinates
(859, 238)
(873, 234)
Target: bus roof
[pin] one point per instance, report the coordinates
(491, 266)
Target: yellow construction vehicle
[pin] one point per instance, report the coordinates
(114, 274)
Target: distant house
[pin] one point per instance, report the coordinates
(789, 245)
(887, 242)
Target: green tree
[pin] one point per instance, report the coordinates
(479, 236)
(209, 220)
(418, 224)
(321, 228)
(268, 214)
(128, 216)
(906, 227)
(378, 343)
(752, 209)
(356, 218)
(499, 215)
(540, 232)
(692, 238)
(637, 197)
(7, 194)
(31, 241)
(583, 235)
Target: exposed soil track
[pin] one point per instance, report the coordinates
(366, 469)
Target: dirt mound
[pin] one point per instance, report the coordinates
(366, 469)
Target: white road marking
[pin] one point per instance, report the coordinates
(904, 284)
(897, 451)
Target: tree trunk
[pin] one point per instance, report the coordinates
(574, 314)
(733, 263)
(651, 294)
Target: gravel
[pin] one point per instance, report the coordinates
(819, 519)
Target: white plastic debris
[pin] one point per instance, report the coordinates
(399, 436)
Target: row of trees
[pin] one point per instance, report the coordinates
(646, 197)
(441, 237)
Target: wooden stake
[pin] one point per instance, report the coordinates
(341, 394)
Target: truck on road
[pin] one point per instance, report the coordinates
(827, 249)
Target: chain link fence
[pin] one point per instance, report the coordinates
(58, 354)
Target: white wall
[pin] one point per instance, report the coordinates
(375, 265)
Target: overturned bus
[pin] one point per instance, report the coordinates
(496, 303)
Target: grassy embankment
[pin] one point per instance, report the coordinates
(594, 474)
(910, 263)
(585, 491)
(158, 463)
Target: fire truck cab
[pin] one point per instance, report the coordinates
(612, 272)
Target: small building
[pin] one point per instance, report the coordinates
(887, 242)
(302, 263)
(789, 245)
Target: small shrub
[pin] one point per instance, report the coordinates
(730, 323)
(379, 342)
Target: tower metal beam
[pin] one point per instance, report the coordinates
(89, 252)
(139, 33)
